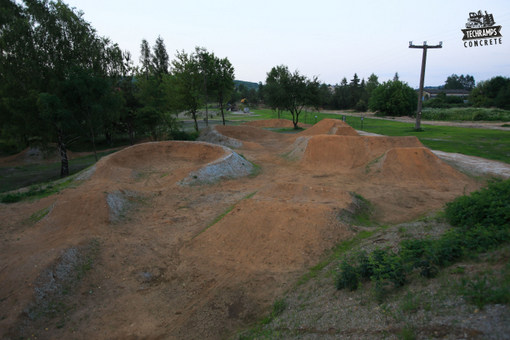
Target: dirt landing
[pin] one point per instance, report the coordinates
(135, 252)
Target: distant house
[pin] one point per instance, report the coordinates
(429, 93)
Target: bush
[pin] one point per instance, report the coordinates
(393, 98)
(488, 206)
(348, 277)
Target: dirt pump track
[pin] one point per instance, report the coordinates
(178, 257)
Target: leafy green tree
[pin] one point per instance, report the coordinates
(189, 84)
(492, 92)
(160, 60)
(274, 90)
(291, 91)
(223, 83)
(209, 72)
(393, 98)
(145, 58)
(455, 82)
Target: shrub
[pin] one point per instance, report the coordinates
(488, 206)
(348, 277)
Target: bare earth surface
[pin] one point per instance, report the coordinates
(191, 240)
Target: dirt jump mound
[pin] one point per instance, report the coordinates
(348, 152)
(330, 127)
(190, 162)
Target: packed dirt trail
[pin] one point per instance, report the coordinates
(191, 240)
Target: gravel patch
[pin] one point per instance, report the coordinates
(210, 135)
(230, 166)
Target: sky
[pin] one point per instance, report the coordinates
(330, 39)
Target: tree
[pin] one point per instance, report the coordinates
(189, 84)
(455, 82)
(160, 58)
(206, 63)
(145, 58)
(291, 91)
(223, 83)
(492, 92)
(276, 96)
(393, 98)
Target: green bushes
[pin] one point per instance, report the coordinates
(481, 222)
(488, 206)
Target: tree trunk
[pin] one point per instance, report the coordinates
(64, 162)
(221, 109)
(194, 115)
(93, 141)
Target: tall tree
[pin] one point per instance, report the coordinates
(145, 58)
(274, 90)
(160, 60)
(224, 83)
(189, 84)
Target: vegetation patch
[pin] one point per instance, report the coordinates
(481, 222)
(358, 212)
(40, 214)
(466, 114)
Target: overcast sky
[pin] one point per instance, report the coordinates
(330, 39)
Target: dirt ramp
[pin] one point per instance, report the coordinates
(335, 152)
(330, 127)
(418, 166)
(347, 152)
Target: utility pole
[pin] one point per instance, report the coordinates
(425, 47)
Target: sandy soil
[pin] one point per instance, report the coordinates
(136, 251)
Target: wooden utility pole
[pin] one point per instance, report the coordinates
(425, 47)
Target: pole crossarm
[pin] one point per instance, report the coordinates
(424, 47)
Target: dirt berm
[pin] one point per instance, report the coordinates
(191, 240)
